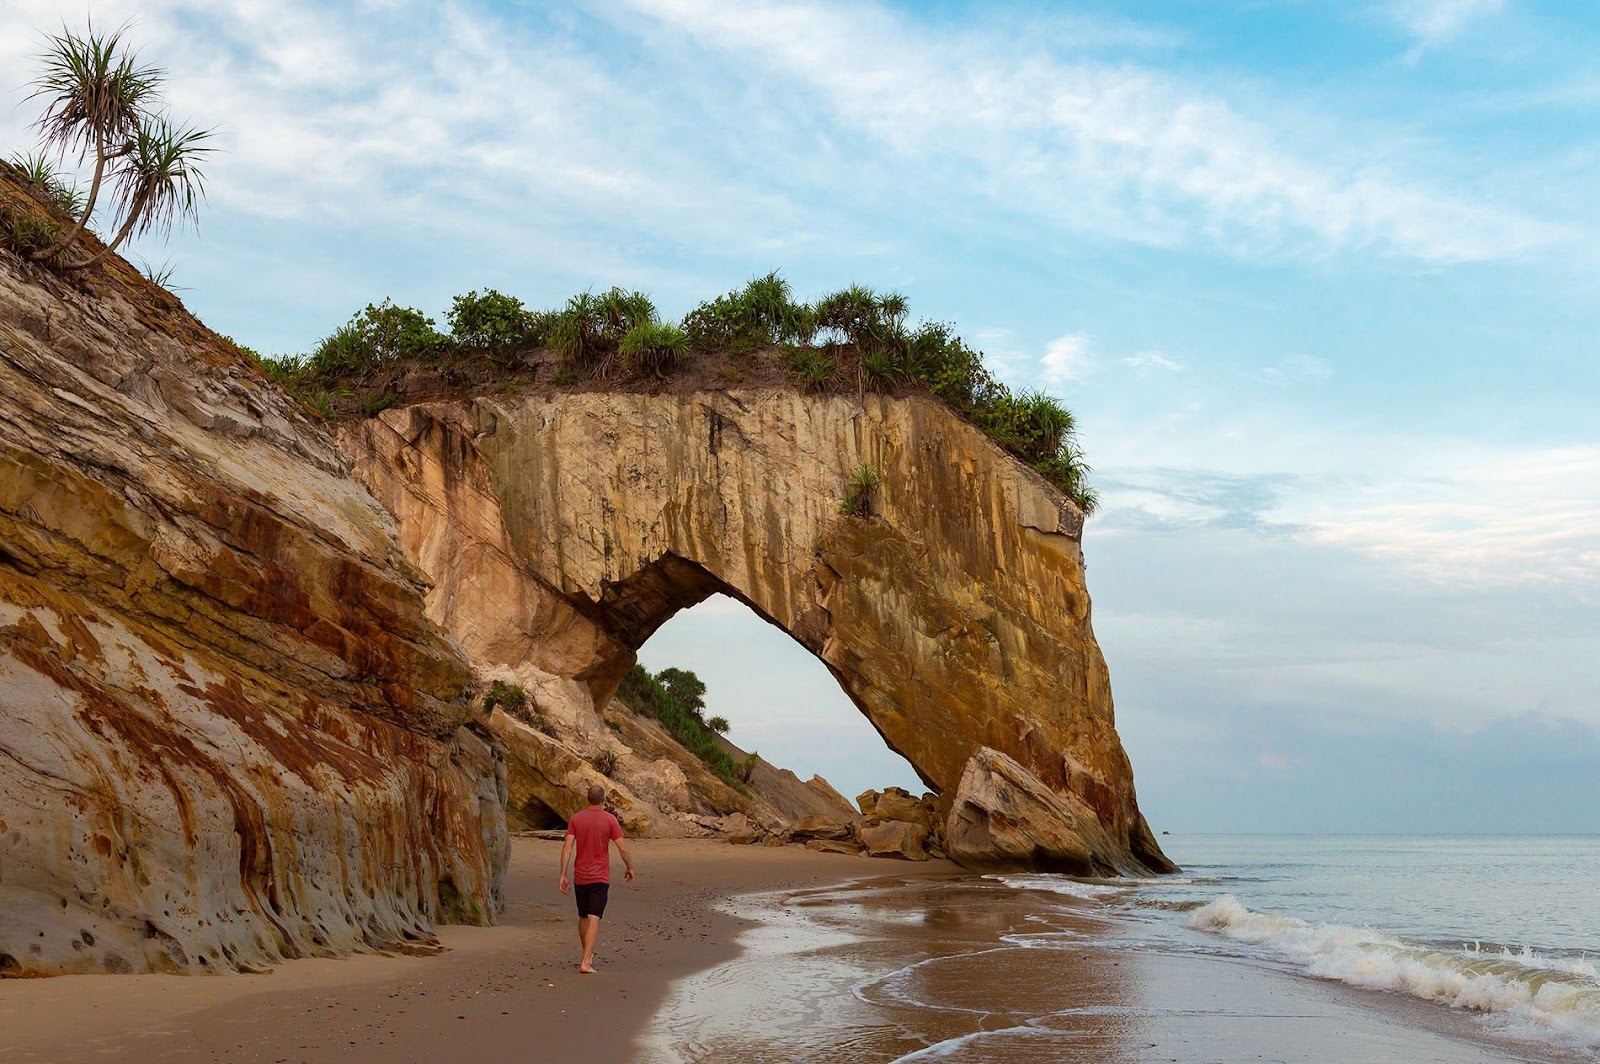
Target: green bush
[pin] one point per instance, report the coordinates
(676, 697)
(653, 347)
(758, 315)
(855, 331)
(495, 324)
(25, 231)
(380, 335)
(719, 725)
(510, 697)
(38, 171)
(814, 368)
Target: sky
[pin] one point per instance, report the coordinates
(1318, 279)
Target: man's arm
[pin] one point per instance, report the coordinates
(627, 859)
(567, 849)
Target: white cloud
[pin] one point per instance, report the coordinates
(1066, 358)
(1126, 151)
(1495, 515)
(1432, 22)
(1148, 362)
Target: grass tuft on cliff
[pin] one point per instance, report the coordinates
(853, 340)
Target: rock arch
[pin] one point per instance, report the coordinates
(561, 530)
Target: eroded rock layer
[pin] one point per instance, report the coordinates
(561, 531)
(228, 734)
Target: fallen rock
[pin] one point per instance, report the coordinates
(1003, 817)
(818, 827)
(894, 838)
(739, 829)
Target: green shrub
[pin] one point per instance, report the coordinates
(377, 404)
(323, 402)
(880, 367)
(494, 324)
(653, 347)
(27, 232)
(38, 171)
(566, 377)
(814, 368)
(380, 335)
(676, 697)
(747, 767)
(862, 488)
(577, 333)
(510, 697)
(719, 725)
(858, 315)
(758, 315)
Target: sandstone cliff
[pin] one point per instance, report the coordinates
(228, 734)
(560, 530)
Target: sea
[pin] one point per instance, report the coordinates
(1327, 949)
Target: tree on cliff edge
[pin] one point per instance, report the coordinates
(100, 103)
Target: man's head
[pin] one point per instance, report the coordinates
(597, 794)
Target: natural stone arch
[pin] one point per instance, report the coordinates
(566, 528)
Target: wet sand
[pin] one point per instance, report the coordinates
(747, 953)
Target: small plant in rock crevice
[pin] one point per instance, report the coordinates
(512, 698)
(860, 493)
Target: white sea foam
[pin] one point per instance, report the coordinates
(1072, 888)
(1521, 992)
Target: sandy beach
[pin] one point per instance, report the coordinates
(499, 992)
(684, 977)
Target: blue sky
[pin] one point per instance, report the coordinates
(1318, 279)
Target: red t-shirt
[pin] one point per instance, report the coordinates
(594, 828)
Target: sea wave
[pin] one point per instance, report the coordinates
(1054, 884)
(1522, 992)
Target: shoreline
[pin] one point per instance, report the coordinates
(495, 990)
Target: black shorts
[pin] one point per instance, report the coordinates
(591, 898)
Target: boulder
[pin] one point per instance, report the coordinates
(818, 827)
(894, 838)
(898, 804)
(1004, 817)
(740, 829)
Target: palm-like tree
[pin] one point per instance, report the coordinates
(96, 95)
(158, 180)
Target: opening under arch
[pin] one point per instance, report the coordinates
(778, 698)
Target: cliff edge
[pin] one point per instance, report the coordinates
(228, 734)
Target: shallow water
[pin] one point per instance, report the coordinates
(1277, 948)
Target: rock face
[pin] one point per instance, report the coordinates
(228, 734)
(561, 531)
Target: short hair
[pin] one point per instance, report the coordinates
(597, 794)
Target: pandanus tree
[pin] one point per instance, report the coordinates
(101, 104)
(158, 182)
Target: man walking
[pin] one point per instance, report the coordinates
(590, 834)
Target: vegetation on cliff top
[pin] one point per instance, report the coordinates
(855, 339)
(676, 697)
